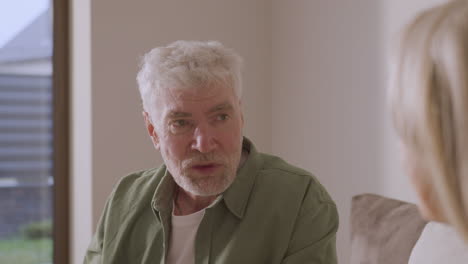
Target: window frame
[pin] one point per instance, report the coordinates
(61, 130)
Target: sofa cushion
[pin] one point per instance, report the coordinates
(383, 230)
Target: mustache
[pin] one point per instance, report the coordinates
(200, 158)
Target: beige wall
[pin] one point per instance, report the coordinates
(122, 31)
(327, 64)
(81, 218)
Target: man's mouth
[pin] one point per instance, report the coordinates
(206, 168)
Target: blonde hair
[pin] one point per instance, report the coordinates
(429, 103)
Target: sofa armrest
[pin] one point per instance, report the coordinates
(383, 230)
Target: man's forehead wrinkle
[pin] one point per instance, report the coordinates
(197, 95)
(174, 112)
(175, 101)
(222, 106)
(174, 94)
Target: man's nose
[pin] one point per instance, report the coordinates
(204, 139)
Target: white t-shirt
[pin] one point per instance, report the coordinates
(182, 241)
(439, 243)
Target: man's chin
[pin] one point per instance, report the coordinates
(199, 176)
(205, 187)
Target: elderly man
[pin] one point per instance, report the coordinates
(215, 199)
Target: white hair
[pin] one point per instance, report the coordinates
(188, 65)
(429, 101)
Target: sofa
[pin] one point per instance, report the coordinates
(383, 230)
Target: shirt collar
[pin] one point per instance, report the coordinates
(163, 195)
(237, 195)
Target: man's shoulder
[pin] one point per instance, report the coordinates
(139, 185)
(138, 179)
(292, 179)
(271, 162)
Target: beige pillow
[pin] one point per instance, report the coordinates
(383, 230)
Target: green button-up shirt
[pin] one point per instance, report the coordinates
(272, 213)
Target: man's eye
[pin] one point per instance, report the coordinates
(222, 117)
(180, 126)
(180, 123)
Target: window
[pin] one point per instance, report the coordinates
(33, 132)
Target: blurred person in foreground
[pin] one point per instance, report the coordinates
(216, 199)
(429, 102)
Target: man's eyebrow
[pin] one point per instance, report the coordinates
(177, 114)
(221, 107)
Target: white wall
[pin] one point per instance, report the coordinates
(81, 200)
(326, 62)
(122, 31)
(81, 135)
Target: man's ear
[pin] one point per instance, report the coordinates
(151, 130)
